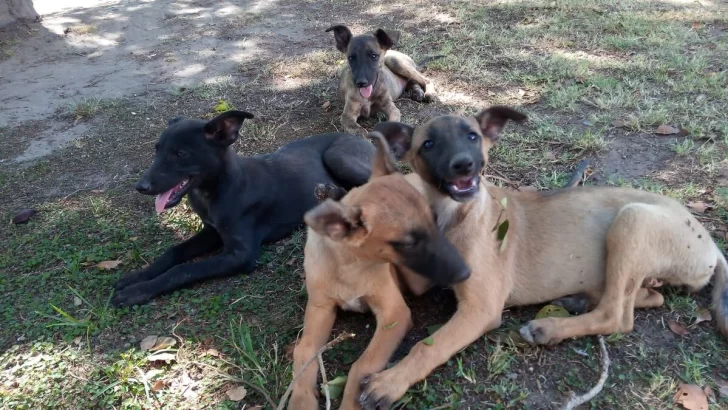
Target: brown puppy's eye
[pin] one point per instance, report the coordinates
(428, 144)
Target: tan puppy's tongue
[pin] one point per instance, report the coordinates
(366, 92)
(161, 200)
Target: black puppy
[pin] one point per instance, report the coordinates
(243, 202)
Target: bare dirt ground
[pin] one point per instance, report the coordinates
(85, 93)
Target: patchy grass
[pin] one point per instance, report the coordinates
(596, 79)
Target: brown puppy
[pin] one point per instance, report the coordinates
(376, 76)
(352, 250)
(603, 242)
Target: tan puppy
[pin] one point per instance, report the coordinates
(376, 76)
(603, 242)
(351, 252)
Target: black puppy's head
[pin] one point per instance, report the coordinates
(188, 152)
(364, 54)
(388, 221)
(449, 152)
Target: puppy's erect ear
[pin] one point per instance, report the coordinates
(384, 163)
(493, 119)
(398, 136)
(224, 128)
(335, 220)
(175, 120)
(342, 35)
(387, 38)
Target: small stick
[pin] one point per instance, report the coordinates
(324, 381)
(575, 400)
(340, 338)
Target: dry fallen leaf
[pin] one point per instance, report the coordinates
(148, 342)
(618, 123)
(326, 105)
(236, 393)
(291, 261)
(722, 387)
(108, 265)
(77, 301)
(23, 216)
(97, 191)
(527, 188)
(699, 206)
(666, 130)
(696, 25)
(212, 352)
(552, 311)
(703, 315)
(163, 343)
(162, 357)
(255, 408)
(157, 386)
(677, 328)
(691, 397)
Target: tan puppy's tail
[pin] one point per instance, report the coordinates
(578, 174)
(422, 65)
(720, 294)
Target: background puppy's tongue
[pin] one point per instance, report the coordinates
(161, 201)
(366, 92)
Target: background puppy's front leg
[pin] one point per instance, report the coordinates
(475, 316)
(317, 324)
(391, 111)
(205, 241)
(352, 110)
(393, 322)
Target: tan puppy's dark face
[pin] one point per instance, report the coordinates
(364, 54)
(388, 220)
(450, 152)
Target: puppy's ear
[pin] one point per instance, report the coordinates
(175, 120)
(342, 35)
(224, 128)
(335, 220)
(387, 39)
(384, 163)
(398, 136)
(492, 120)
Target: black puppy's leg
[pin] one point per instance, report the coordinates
(575, 304)
(349, 160)
(230, 262)
(329, 191)
(205, 241)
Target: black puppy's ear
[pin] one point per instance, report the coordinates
(335, 220)
(342, 35)
(224, 128)
(384, 163)
(387, 38)
(398, 136)
(175, 120)
(492, 120)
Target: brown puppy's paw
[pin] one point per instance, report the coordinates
(430, 97)
(537, 332)
(303, 400)
(379, 391)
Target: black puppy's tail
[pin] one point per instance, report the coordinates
(578, 174)
(422, 65)
(720, 293)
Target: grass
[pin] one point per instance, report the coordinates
(595, 78)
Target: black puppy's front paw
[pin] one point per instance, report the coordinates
(130, 296)
(129, 279)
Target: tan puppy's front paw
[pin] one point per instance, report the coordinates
(303, 400)
(379, 391)
(539, 332)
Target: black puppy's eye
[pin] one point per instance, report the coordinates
(156, 147)
(375, 56)
(473, 136)
(182, 154)
(428, 144)
(351, 58)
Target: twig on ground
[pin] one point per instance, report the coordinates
(340, 338)
(238, 380)
(324, 381)
(575, 400)
(80, 190)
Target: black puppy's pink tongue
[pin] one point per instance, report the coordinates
(366, 92)
(161, 200)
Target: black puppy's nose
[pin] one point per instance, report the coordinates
(462, 164)
(362, 84)
(461, 275)
(143, 187)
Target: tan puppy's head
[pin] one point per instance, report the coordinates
(364, 54)
(449, 152)
(388, 220)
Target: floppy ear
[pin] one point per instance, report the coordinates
(342, 35)
(493, 119)
(224, 128)
(384, 163)
(175, 120)
(398, 136)
(332, 219)
(387, 38)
